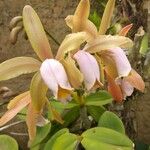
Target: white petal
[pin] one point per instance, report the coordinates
(54, 75)
(121, 61)
(89, 67)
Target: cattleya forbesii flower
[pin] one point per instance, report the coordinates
(108, 50)
(49, 74)
(90, 69)
(102, 55)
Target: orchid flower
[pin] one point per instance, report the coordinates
(50, 73)
(90, 69)
(108, 50)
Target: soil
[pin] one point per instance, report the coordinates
(52, 14)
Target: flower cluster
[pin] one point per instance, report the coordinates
(101, 57)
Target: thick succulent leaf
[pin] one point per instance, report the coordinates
(38, 91)
(71, 116)
(41, 134)
(36, 33)
(66, 141)
(15, 100)
(61, 106)
(81, 15)
(111, 121)
(17, 108)
(106, 18)
(98, 99)
(103, 42)
(70, 43)
(51, 141)
(17, 66)
(95, 111)
(7, 143)
(75, 77)
(106, 139)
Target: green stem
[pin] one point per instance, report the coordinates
(86, 123)
(79, 98)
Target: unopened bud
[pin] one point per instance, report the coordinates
(14, 34)
(14, 22)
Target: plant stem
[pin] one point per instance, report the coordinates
(10, 125)
(19, 134)
(86, 123)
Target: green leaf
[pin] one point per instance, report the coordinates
(111, 121)
(98, 99)
(144, 45)
(100, 138)
(36, 33)
(95, 111)
(41, 134)
(61, 106)
(22, 114)
(17, 66)
(70, 116)
(51, 141)
(67, 141)
(36, 147)
(8, 143)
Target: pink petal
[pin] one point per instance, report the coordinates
(121, 61)
(127, 88)
(89, 67)
(54, 76)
